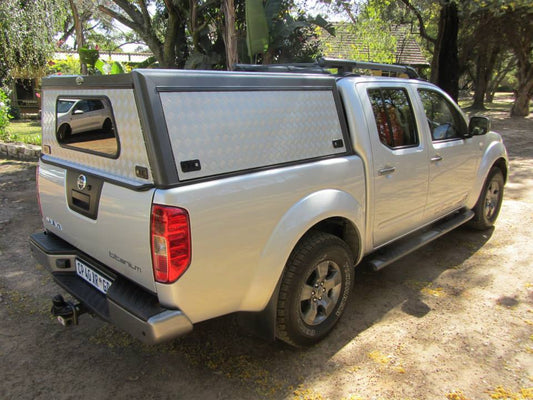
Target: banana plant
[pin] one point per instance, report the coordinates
(270, 23)
(109, 69)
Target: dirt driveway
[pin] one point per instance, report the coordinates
(452, 321)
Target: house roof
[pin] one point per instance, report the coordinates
(342, 45)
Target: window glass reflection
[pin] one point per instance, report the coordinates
(86, 124)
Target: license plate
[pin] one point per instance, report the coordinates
(96, 279)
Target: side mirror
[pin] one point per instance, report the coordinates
(478, 126)
(77, 112)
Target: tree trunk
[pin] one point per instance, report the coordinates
(480, 86)
(521, 105)
(80, 42)
(522, 99)
(489, 96)
(230, 35)
(137, 17)
(448, 63)
(484, 67)
(524, 93)
(497, 80)
(434, 76)
(169, 46)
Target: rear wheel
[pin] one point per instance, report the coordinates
(489, 203)
(107, 126)
(315, 289)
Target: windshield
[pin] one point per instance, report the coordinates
(64, 105)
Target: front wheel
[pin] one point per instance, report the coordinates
(489, 203)
(315, 289)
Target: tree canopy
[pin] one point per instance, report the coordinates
(27, 35)
(216, 33)
(473, 44)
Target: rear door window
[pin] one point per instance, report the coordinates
(87, 125)
(394, 117)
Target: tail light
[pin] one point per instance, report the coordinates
(171, 242)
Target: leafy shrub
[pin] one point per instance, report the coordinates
(14, 111)
(4, 114)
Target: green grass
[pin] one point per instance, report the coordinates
(23, 132)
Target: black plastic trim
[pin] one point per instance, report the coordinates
(91, 298)
(85, 201)
(343, 120)
(134, 299)
(52, 244)
(154, 128)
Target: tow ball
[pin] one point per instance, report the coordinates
(66, 312)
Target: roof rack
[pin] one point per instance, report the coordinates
(347, 66)
(310, 68)
(324, 65)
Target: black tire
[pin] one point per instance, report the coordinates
(63, 133)
(489, 203)
(315, 289)
(107, 126)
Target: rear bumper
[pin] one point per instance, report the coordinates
(126, 305)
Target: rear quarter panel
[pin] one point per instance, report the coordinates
(244, 228)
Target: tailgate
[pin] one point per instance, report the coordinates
(95, 181)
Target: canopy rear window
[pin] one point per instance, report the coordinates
(87, 124)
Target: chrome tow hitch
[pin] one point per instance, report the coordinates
(66, 312)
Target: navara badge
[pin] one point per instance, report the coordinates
(82, 182)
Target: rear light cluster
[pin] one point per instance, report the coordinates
(171, 242)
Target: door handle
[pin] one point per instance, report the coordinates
(386, 170)
(436, 158)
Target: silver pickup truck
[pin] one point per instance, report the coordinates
(255, 192)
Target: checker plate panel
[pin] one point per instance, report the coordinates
(238, 130)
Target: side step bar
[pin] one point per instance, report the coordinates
(388, 254)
